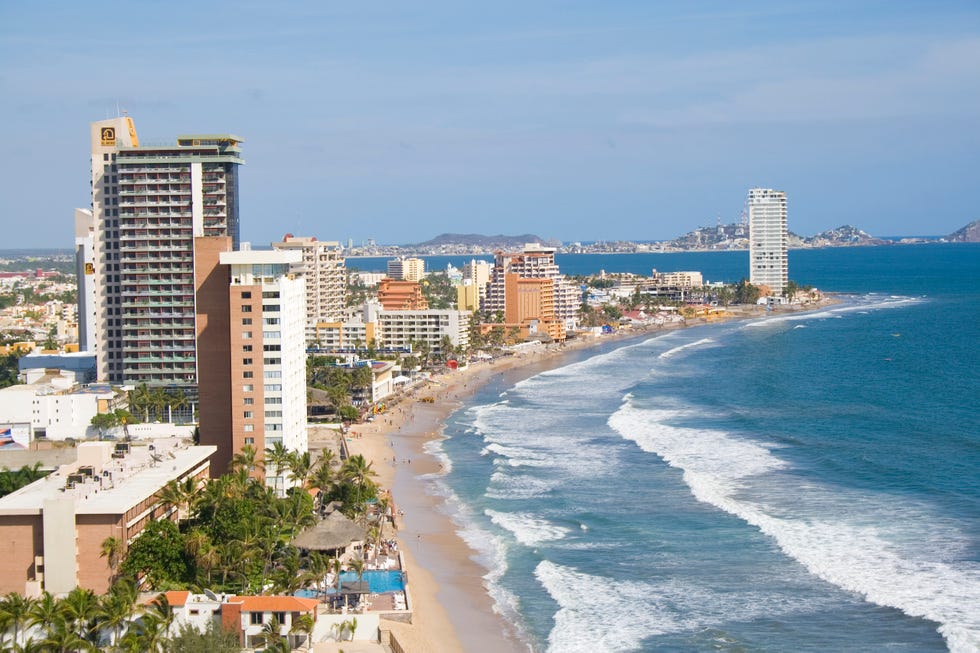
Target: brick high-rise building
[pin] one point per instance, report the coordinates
(253, 357)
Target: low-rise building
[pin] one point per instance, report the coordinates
(400, 329)
(57, 408)
(53, 529)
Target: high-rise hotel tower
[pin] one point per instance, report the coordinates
(160, 215)
(768, 261)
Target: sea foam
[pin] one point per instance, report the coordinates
(846, 547)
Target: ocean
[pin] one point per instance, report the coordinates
(801, 482)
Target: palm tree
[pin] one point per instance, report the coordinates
(116, 609)
(357, 566)
(357, 471)
(176, 399)
(179, 495)
(299, 466)
(139, 401)
(158, 399)
(15, 610)
(272, 636)
(46, 611)
(81, 607)
(303, 625)
(278, 457)
(112, 550)
(63, 639)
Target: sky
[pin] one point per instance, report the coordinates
(576, 121)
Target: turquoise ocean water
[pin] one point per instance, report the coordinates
(797, 483)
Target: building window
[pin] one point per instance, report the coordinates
(248, 387)
(273, 387)
(246, 335)
(273, 400)
(246, 321)
(248, 428)
(246, 348)
(273, 413)
(246, 361)
(270, 308)
(271, 347)
(270, 320)
(246, 294)
(273, 374)
(256, 618)
(249, 440)
(248, 401)
(272, 361)
(247, 375)
(246, 308)
(280, 617)
(247, 414)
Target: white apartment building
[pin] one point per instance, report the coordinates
(535, 262)
(57, 408)
(268, 351)
(768, 259)
(478, 273)
(406, 269)
(85, 278)
(677, 279)
(399, 329)
(326, 279)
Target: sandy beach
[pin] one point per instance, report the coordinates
(452, 610)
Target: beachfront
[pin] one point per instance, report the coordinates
(451, 609)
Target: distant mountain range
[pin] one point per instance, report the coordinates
(486, 242)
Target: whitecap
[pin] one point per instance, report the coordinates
(854, 543)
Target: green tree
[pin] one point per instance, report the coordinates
(300, 465)
(15, 611)
(104, 422)
(158, 555)
(112, 551)
(81, 608)
(117, 609)
(188, 639)
(746, 293)
(277, 457)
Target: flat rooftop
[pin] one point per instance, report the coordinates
(116, 485)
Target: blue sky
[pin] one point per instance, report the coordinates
(571, 120)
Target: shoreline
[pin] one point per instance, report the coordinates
(452, 607)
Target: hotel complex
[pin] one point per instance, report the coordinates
(152, 209)
(326, 279)
(768, 260)
(531, 293)
(253, 356)
(54, 528)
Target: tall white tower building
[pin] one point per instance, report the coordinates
(768, 261)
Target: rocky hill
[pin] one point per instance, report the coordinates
(968, 234)
(843, 236)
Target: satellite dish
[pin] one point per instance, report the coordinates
(211, 595)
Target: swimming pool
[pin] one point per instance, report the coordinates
(379, 581)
